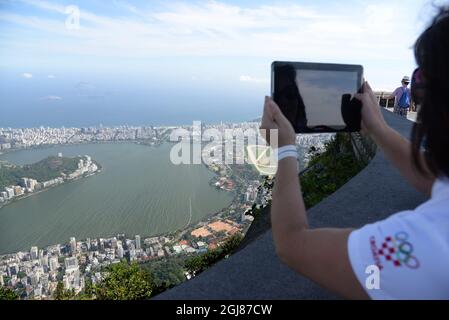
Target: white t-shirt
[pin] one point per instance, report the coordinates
(410, 248)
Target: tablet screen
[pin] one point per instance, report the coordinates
(313, 98)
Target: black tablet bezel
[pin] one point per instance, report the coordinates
(321, 67)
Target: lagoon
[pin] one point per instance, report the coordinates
(139, 191)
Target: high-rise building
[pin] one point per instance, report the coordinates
(114, 243)
(66, 282)
(71, 263)
(9, 192)
(72, 245)
(12, 270)
(137, 242)
(32, 184)
(132, 255)
(101, 244)
(44, 261)
(34, 279)
(73, 280)
(18, 191)
(120, 251)
(34, 253)
(54, 264)
(29, 184)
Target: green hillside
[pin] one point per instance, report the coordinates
(46, 169)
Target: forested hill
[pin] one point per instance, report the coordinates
(44, 170)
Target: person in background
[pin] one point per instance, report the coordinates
(402, 96)
(410, 248)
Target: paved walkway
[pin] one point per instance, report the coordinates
(410, 115)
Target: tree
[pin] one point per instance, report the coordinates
(329, 170)
(8, 294)
(201, 262)
(125, 282)
(59, 292)
(232, 243)
(63, 294)
(89, 291)
(166, 273)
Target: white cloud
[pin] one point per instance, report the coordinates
(217, 28)
(51, 98)
(246, 78)
(27, 75)
(51, 76)
(382, 32)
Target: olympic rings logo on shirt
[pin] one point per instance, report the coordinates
(404, 250)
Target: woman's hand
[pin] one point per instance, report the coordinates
(373, 122)
(273, 119)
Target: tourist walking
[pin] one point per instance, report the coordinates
(402, 96)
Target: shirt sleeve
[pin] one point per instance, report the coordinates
(396, 248)
(395, 92)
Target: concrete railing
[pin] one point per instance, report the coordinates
(382, 99)
(255, 272)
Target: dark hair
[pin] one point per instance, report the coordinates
(431, 129)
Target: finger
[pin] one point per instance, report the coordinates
(368, 86)
(266, 116)
(371, 93)
(364, 87)
(276, 113)
(267, 121)
(267, 109)
(359, 96)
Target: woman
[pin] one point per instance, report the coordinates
(410, 249)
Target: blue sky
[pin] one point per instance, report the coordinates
(166, 52)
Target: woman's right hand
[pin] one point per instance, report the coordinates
(274, 119)
(373, 123)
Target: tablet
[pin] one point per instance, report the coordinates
(318, 97)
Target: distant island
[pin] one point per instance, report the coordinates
(19, 181)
